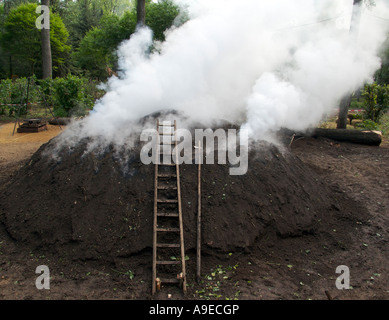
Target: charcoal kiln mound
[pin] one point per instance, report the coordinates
(100, 205)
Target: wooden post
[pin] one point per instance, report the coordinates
(198, 275)
(180, 212)
(154, 271)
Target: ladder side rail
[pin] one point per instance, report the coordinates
(180, 211)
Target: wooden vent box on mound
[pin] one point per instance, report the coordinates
(32, 125)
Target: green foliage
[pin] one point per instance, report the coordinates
(376, 101)
(160, 17)
(47, 91)
(367, 125)
(20, 32)
(85, 15)
(21, 41)
(12, 4)
(384, 125)
(116, 7)
(70, 96)
(5, 91)
(82, 16)
(15, 93)
(84, 36)
(60, 50)
(382, 75)
(97, 49)
(356, 105)
(5, 95)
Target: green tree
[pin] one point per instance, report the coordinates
(12, 4)
(97, 49)
(376, 101)
(116, 7)
(160, 17)
(21, 41)
(3, 57)
(382, 75)
(83, 17)
(70, 96)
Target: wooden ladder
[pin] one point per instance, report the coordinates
(168, 236)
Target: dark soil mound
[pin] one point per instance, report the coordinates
(97, 206)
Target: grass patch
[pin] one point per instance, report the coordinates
(383, 126)
(330, 123)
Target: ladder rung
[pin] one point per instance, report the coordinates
(167, 164)
(172, 215)
(169, 262)
(167, 175)
(166, 133)
(171, 280)
(168, 245)
(167, 188)
(167, 201)
(168, 230)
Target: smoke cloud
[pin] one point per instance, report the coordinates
(262, 64)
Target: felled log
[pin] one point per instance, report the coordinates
(371, 138)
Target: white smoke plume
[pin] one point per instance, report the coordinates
(262, 64)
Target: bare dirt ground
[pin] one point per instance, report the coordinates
(275, 267)
(15, 149)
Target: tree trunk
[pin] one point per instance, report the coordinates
(46, 47)
(343, 112)
(354, 28)
(356, 19)
(141, 12)
(372, 138)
